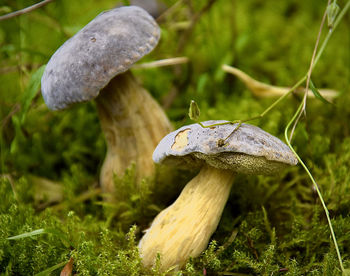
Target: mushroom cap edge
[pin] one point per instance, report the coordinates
(249, 150)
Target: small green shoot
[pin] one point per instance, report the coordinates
(194, 111)
(317, 93)
(332, 12)
(194, 114)
(51, 231)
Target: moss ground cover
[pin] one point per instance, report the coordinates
(271, 225)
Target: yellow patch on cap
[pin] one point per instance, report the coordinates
(181, 140)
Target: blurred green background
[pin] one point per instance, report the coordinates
(275, 223)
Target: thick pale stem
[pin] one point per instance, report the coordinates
(184, 228)
(133, 124)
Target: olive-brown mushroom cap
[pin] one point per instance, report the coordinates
(249, 150)
(104, 48)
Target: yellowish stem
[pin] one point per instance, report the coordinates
(184, 228)
(133, 124)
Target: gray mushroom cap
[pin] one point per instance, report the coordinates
(104, 48)
(249, 150)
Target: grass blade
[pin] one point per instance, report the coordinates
(50, 269)
(31, 91)
(28, 234)
(64, 239)
(317, 93)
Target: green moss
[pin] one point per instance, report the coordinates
(270, 226)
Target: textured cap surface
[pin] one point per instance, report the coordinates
(105, 47)
(249, 150)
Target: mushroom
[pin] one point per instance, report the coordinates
(183, 229)
(93, 64)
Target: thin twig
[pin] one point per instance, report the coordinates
(25, 10)
(161, 63)
(262, 90)
(275, 103)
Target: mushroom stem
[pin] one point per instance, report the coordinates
(184, 228)
(133, 123)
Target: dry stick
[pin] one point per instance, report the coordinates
(262, 90)
(303, 110)
(25, 10)
(161, 63)
(227, 68)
